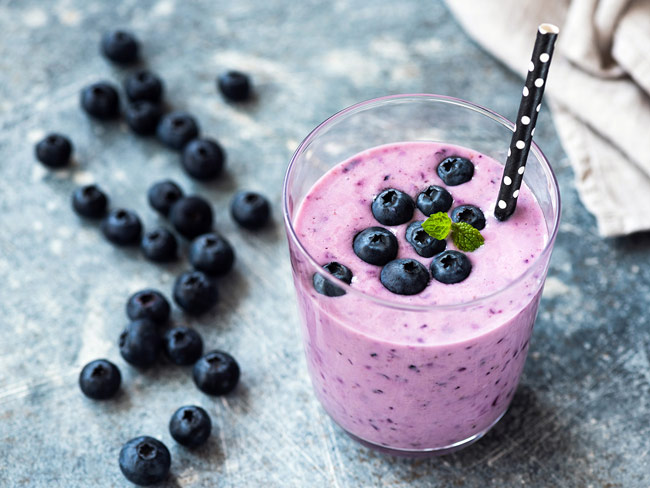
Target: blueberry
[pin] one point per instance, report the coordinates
(455, 170)
(159, 245)
(145, 461)
(148, 304)
(191, 216)
(195, 293)
(100, 379)
(177, 129)
(211, 254)
(375, 245)
(140, 343)
(325, 287)
(54, 150)
(433, 200)
(234, 85)
(404, 276)
(469, 214)
(190, 426)
(89, 201)
(163, 195)
(451, 267)
(425, 245)
(250, 210)
(216, 373)
(392, 207)
(122, 227)
(143, 85)
(120, 46)
(183, 345)
(142, 117)
(100, 100)
(203, 159)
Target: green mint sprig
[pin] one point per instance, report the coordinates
(465, 237)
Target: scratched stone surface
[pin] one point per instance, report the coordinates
(580, 415)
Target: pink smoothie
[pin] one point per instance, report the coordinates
(429, 370)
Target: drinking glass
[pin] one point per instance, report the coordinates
(403, 397)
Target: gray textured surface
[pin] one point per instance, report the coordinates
(580, 417)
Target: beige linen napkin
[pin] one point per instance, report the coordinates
(599, 89)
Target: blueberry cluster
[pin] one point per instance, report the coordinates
(145, 460)
(191, 216)
(379, 246)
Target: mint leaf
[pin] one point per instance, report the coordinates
(437, 225)
(465, 237)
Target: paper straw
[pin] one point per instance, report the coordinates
(531, 102)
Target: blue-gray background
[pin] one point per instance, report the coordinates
(580, 416)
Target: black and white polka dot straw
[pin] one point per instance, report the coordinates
(531, 100)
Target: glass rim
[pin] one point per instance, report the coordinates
(537, 152)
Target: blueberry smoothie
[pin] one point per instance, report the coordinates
(411, 343)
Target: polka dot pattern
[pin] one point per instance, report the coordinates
(531, 98)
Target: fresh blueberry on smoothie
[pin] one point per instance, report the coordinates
(469, 214)
(375, 245)
(455, 170)
(433, 200)
(325, 287)
(423, 244)
(405, 276)
(393, 207)
(451, 267)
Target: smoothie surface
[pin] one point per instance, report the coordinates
(338, 206)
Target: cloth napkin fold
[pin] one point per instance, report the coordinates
(598, 86)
